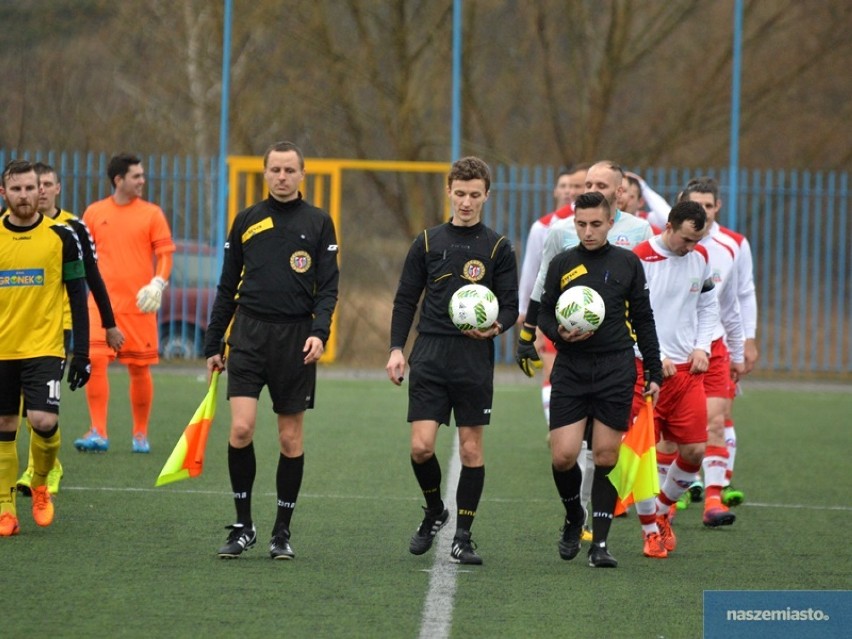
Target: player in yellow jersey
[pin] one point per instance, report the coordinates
(49, 189)
(40, 260)
(135, 248)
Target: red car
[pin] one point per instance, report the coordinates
(187, 300)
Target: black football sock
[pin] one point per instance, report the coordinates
(242, 468)
(604, 496)
(471, 481)
(568, 486)
(288, 481)
(428, 475)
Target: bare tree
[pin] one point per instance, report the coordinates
(544, 81)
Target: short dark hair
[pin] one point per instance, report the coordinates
(281, 147)
(42, 168)
(574, 168)
(592, 200)
(633, 181)
(687, 211)
(16, 167)
(470, 168)
(700, 185)
(119, 165)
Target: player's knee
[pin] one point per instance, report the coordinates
(291, 446)
(42, 422)
(716, 431)
(666, 447)
(471, 455)
(692, 453)
(607, 457)
(241, 434)
(99, 364)
(562, 460)
(421, 451)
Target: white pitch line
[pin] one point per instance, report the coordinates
(384, 498)
(436, 619)
(800, 506)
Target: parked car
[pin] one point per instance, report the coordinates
(187, 300)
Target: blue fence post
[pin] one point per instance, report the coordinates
(844, 311)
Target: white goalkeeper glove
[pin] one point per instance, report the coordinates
(150, 296)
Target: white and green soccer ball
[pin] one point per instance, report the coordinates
(580, 307)
(473, 306)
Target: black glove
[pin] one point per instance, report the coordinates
(526, 355)
(79, 371)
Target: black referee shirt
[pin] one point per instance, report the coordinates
(617, 275)
(280, 266)
(440, 261)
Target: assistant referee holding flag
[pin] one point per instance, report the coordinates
(279, 285)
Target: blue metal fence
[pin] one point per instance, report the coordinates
(798, 224)
(185, 188)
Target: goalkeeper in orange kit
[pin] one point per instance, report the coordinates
(134, 247)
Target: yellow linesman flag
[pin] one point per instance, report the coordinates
(635, 474)
(187, 459)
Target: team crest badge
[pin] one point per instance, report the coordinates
(474, 270)
(300, 261)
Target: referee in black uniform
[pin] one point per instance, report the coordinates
(279, 285)
(452, 371)
(594, 373)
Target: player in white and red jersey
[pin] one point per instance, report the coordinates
(745, 292)
(569, 184)
(726, 359)
(686, 313)
(721, 444)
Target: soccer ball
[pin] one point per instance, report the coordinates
(580, 307)
(473, 306)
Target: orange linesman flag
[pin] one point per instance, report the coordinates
(187, 459)
(635, 474)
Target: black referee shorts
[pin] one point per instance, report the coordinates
(268, 354)
(451, 374)
(592, 385)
